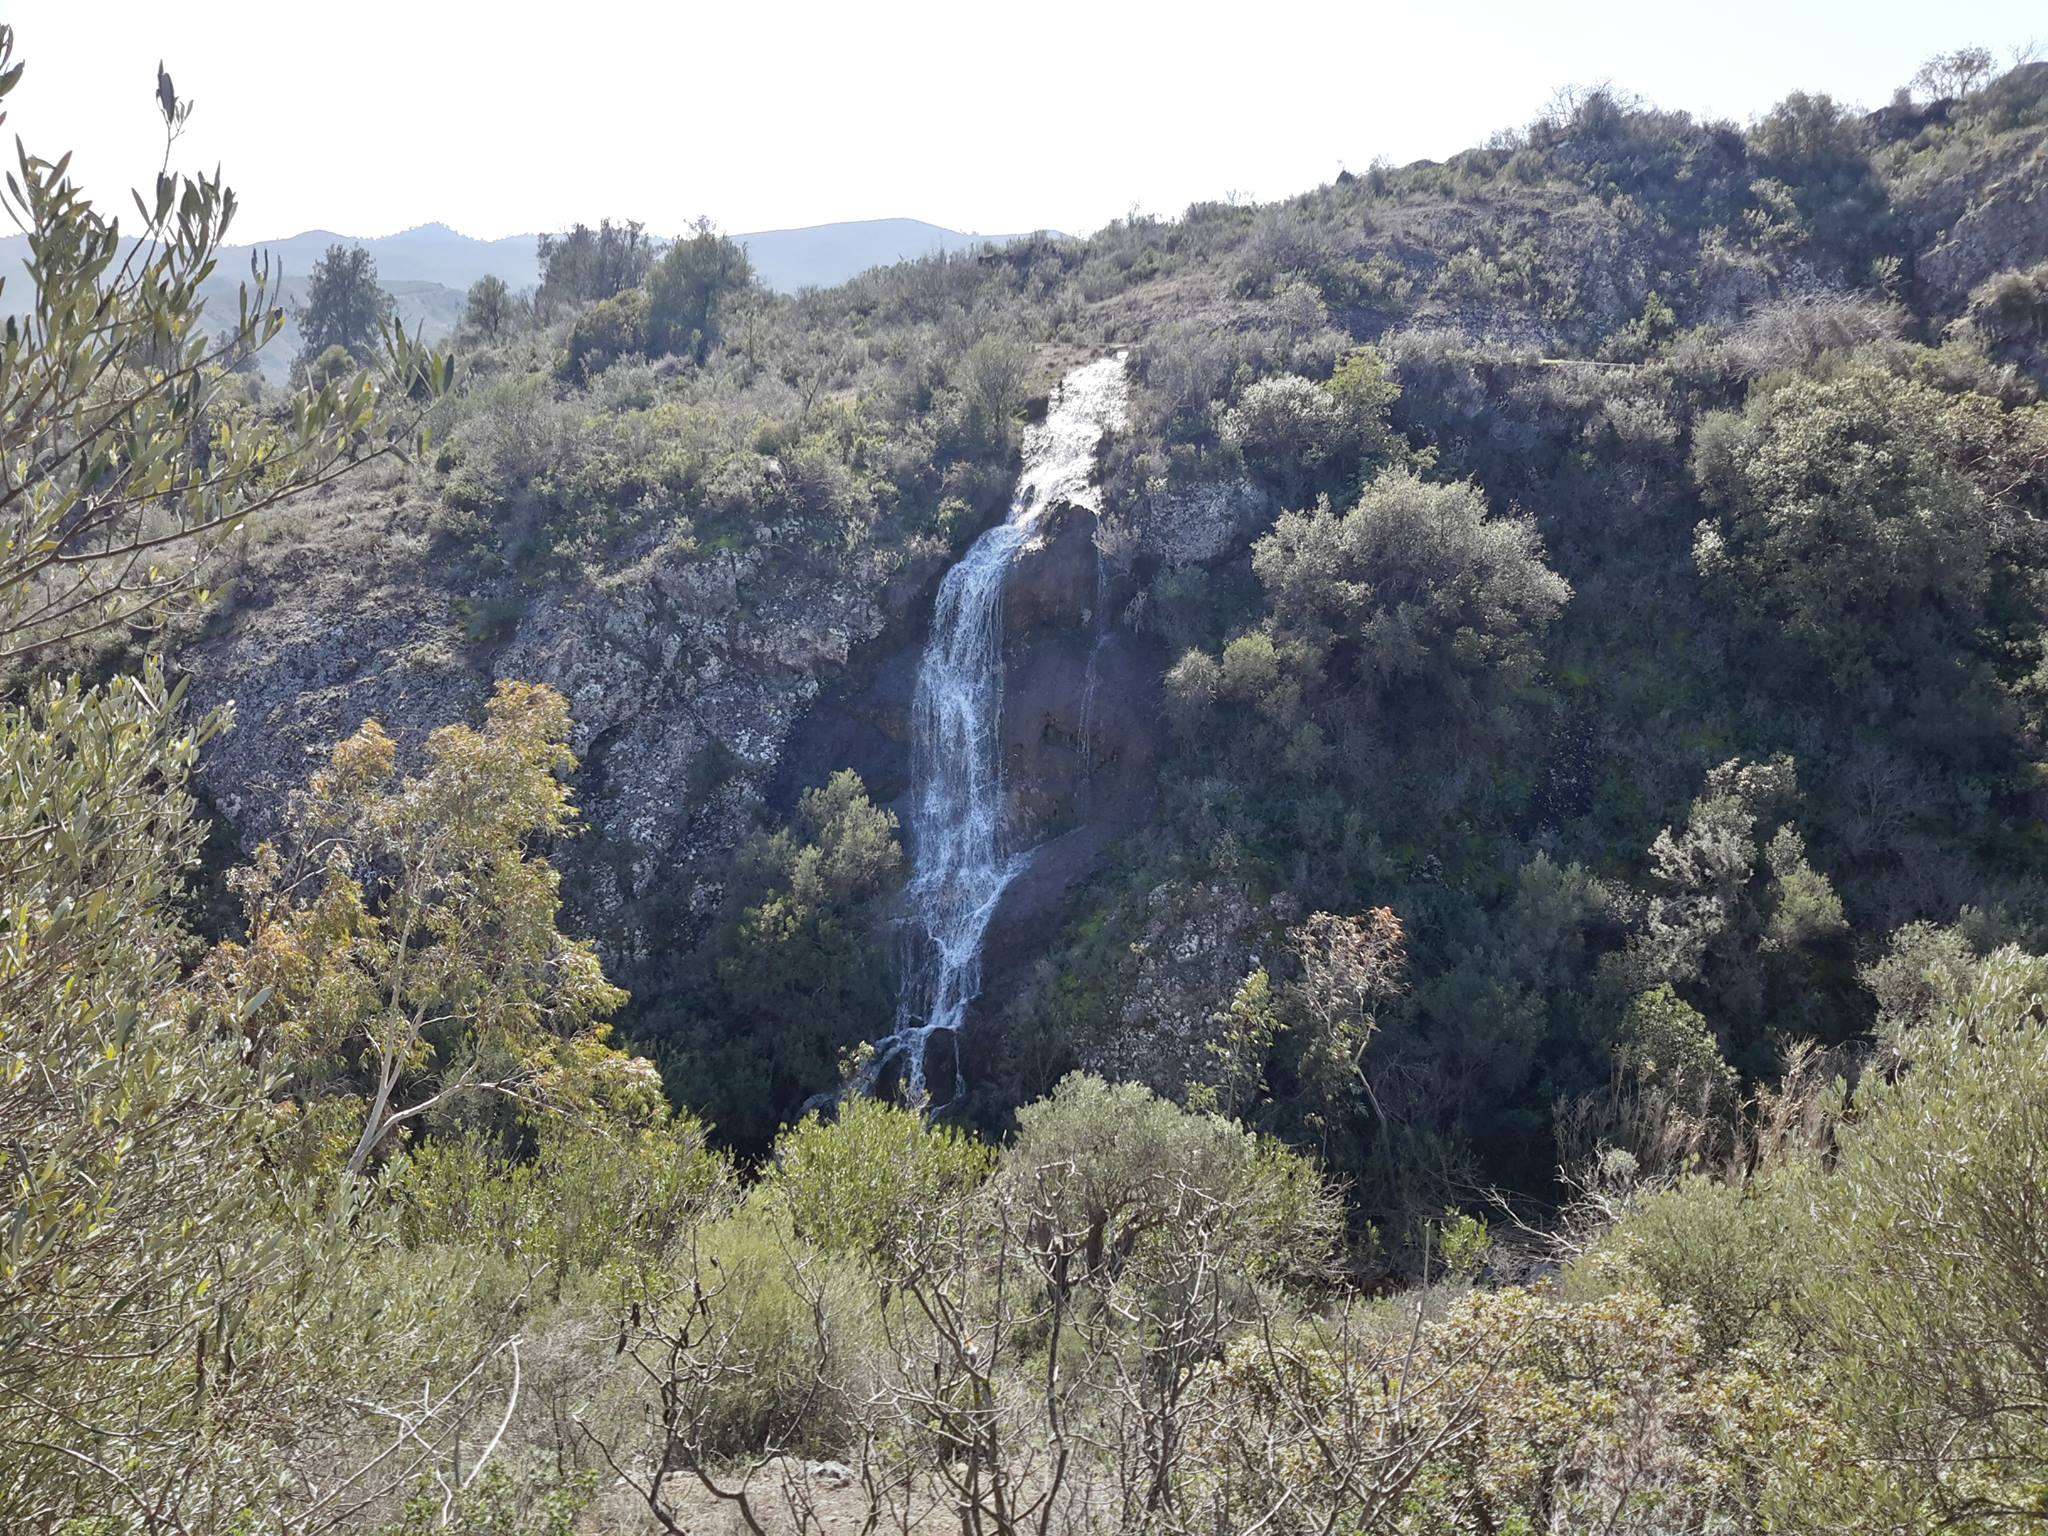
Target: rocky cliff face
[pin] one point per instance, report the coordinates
(1972, 190)
(1081, 725)
(686, 672)
(1199, 942)
(708, 688)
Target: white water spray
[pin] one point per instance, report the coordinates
(960, 865)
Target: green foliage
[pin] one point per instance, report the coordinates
(1736, 1254)
(1929, 1295)
(159, 1326)
(1873, 522)
(1288, 426)
(1961, 72)
(607, 331)
(1433, 589)
(500, 1502)
(796, 976)
(1503, 726)
(1745, 922)
(1666, 1044)
(690, 291)
(1507, 1411)
(1414, 590)
(407, 931)
(489, 307)
(861, 1184)
(992, 383)
(344, 306)
(129, 1137)
(1925, 969)
(1900, 1276)
(1124, 1176)
(608, 1194)
(1464, 1243)
(1236, 1076)
(1818, 189)
(588, 265)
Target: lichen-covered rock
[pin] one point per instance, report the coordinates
(1200, 524)
(1200, 940)
(2006, 228)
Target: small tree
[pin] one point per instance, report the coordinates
(1349, 967)
(488, 309)
(587, 265)
(690, 290)
(408, 925)
(1948, 76)
(344, 306)
(992, 378)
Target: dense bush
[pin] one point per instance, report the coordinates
(796, 976)
(1872, 521)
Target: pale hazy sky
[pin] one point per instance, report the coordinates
(373, 116)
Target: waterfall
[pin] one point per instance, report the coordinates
(960, 864)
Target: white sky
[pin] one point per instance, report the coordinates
(373, 116)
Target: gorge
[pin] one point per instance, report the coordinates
(1376, 862)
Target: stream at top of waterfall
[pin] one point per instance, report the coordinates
(960, 863)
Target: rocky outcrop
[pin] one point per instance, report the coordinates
(1080, 699)
(2006, 228)
(1979, 206)
(1200, 524)
(1080, 726)
(685, 671)
(1199, 940)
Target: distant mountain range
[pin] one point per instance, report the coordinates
(428, 270)
(824, 255)
(818, 256)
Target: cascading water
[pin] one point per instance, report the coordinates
(960, 865)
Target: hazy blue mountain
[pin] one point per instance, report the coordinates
(819, 255)
(427, 270)
(432, 253)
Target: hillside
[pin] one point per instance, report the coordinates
(1555, 322)
(1375, 862)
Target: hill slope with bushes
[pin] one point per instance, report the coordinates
(1526, 1011)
